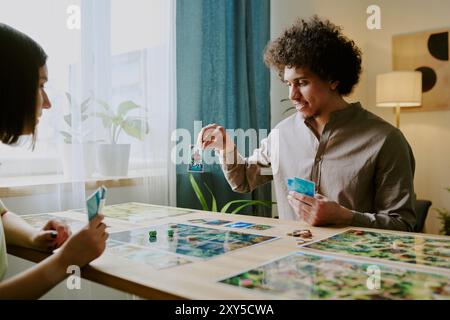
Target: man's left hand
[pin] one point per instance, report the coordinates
(319, 210)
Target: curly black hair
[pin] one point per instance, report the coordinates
(320, 46)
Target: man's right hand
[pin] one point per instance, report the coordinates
(215, 136)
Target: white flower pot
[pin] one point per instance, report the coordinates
(113, 159)
(78, 160)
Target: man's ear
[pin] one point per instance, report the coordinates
(334, 85)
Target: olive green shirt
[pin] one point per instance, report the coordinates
(3, 261)
(360, 161)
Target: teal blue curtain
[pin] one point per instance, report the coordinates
(221, 78)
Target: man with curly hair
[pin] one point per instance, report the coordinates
(362, 166)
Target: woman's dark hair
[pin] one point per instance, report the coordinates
(20, 60)
(320, 46)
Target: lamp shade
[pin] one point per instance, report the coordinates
(399, 89)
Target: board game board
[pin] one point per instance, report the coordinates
(136, 212)
(317, 276)
(188, 240)
(413, 249)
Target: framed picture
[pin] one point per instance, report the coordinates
(426, 52)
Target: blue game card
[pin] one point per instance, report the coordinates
(302, 186)
(96, 202)
(239, 224)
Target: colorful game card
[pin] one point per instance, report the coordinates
(260, 227)
(239, 224)
(302, 186)
(196, 162)
(96, 202)
(414, 249)
(217, 222)
(197, 221)
(317, 276)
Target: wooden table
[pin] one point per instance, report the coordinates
(197, 280)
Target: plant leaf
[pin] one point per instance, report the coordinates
(251, 203)
(288, 109)
(67, 137)
(125, 107)
(85, 105)
(246, 203)
(106, 119)
(68, 120)
(198, 192)
(228, 204)
(134, 128)
(213, 199)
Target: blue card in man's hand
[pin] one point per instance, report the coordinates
(95, 203)
(302, 186)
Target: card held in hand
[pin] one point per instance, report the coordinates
(302, 186)
(96, 202)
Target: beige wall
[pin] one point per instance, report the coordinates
(427, 132)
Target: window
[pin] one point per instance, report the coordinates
(123, 51)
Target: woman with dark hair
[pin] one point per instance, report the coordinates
(23, 74)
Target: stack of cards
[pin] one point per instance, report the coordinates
(96, 202)
(302, 186)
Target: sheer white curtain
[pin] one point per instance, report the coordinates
(111, 72)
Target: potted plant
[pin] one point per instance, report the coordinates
(240, 204)
(76, 143)
(444, 216)
(113, 157)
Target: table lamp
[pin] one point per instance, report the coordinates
(399, 89)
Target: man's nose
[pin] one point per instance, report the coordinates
(294, 92)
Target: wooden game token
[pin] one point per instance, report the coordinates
(245, 282)
(358, 232)
(191, 238)
(289, 234)
(300, 241)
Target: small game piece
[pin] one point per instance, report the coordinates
(358, 232)
(305, 234)
(300, 241)
(152, 239)
(245, 282)
(152, 233)
(191, 238)
(290, 234)
(170, 232)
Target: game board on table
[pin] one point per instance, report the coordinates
(139, 212)
(317, 276)
(414, 249)
(189, 240)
